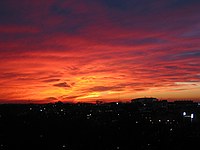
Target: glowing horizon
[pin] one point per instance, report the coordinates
(99, 50)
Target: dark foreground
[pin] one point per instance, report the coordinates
(99, 127)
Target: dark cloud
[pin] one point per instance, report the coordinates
(189, 54)
(135, 41)
(71, 97)
(51, 80)
(105, 88)
(116, 4)
(57, 9)
(50, 99)
(63, 84)
(140, 89)
(182, 55)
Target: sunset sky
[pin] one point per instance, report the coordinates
(88, 50)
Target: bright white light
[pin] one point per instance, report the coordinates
(88, 115)
(192, 116)
(184, 113)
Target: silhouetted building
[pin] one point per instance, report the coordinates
(143, 124)
(144, 100)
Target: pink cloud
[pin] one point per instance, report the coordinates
(98, 50)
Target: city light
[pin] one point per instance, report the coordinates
(192, 116)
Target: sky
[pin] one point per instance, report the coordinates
(109, 50)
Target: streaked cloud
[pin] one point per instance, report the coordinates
(98, 49)
(64, 84)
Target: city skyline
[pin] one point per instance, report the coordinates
(83, 51)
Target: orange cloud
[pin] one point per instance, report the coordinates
(97, 50)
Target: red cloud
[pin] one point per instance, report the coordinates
(102, 52)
